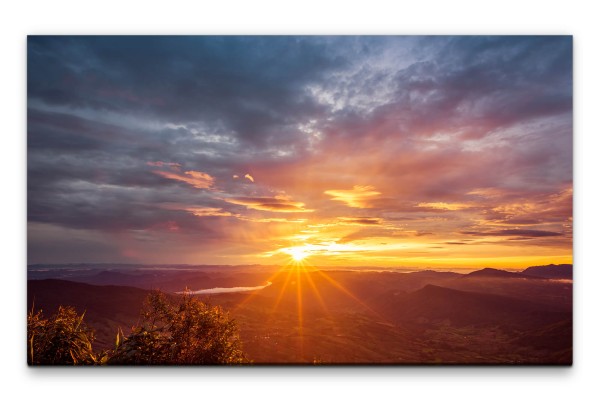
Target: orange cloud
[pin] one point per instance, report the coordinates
(360, 221)
(248, 176)
(197, 179)
(272, 220)
(359, 196)
(276, 204)
(444, 205)
(200, 211)
(208, 211)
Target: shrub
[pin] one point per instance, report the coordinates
(179, 331)
(63, 339)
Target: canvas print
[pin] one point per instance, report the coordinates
(299, 200)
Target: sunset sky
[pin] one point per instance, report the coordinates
(442, 152)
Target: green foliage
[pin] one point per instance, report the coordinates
(179, 331)
(63, 339)
(173, 331)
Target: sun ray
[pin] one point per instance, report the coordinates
(315, 290)
(323, 305)
(352, 296)
(252, 294)
(282, 291)
(297, 268)
(299, 306)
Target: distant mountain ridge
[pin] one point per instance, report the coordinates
(497, 273)
(552, 271)
(563, 271)
(463, 308)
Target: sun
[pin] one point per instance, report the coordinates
(297, 253)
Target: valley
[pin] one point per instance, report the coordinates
(316, 316)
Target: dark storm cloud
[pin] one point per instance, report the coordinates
(250, 85)
(101, 108)
(82, 205)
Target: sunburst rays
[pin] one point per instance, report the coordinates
(300, 288)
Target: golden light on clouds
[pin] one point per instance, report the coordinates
(197, 179)
(269, 204)
(360, 221)
(444, 205)
(423, 235)
(359, 196)
(208, 211)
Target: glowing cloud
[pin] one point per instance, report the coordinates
(360, 221)
(443, 205)
(272, 220)
(249, 177)
(197, 179)
(276, 204)
(208, 211)
(358, 197)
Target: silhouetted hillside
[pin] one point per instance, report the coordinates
(106, 307)
(564, 271)
(496, 273)
(173, 281)
(433, 304)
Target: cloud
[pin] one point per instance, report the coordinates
(360, 221)
(228, 81)
(199, 211)
(272, 220)
(432, 124)
(197, 179)
(208, 211)
(161, 164)
(359, 196)
(443, 206)
(514, 232)
(275, 204)
(538, 209)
